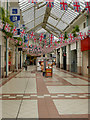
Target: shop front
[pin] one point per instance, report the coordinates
(85, 48)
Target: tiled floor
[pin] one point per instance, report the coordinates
(30, 95)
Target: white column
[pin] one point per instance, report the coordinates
(56, 58)
(17, 58)
(79, 57)
(3, 49)
(61, 58)
(7, 44)
(13, 57)
(68, 56)
(21, 58)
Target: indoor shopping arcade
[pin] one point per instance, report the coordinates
(44, 59)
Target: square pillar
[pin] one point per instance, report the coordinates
(61, 58)
(3, 49)
(7, 47)
(56, 58)
(19, 59)
(16, 59)
(13, 59)
(68, 57)
(79, 58)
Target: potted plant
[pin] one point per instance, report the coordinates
(75, 30)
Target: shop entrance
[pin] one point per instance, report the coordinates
(64, 57)
(64, 61)
(74, 61)
(31, 60)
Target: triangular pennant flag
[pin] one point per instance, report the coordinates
(87, 4)
(76, 5)
(63, 5)
(50, 3)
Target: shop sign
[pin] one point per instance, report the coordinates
(15, 18)
(85, 44)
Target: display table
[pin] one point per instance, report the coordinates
(48, 72)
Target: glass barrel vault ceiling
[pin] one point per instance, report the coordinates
(58, 20)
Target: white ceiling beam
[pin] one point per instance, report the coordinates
(56, 18)
(35, 27)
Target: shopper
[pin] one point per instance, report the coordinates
(25, 65)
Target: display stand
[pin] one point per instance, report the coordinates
(40, 63)
(45, 65)
(49, 68)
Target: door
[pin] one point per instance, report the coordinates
(74, 61)
(64, 61)
(58, 57)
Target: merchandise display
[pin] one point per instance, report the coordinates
(45, 65)
(49, 68)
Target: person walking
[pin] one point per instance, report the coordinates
(25, 65)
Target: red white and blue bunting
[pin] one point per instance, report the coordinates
(64, 4)
(53, 44)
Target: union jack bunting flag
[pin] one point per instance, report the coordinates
(14, 31)
(71, 37)
(32, 1)
(50, 3)
(81, 36)
(51, 38)
(22, 33)
(87, 4)
(1, 26)
(49, 45)
(28, 37)
(35, 39)
(41, 36)
(31, 34)
(85, 36)
(7, 28)
(55, 42)
(61, 38)
(63, 5)
(53, 45)
(45, 41)
(76, 5)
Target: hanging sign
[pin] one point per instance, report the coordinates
(15, 18)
